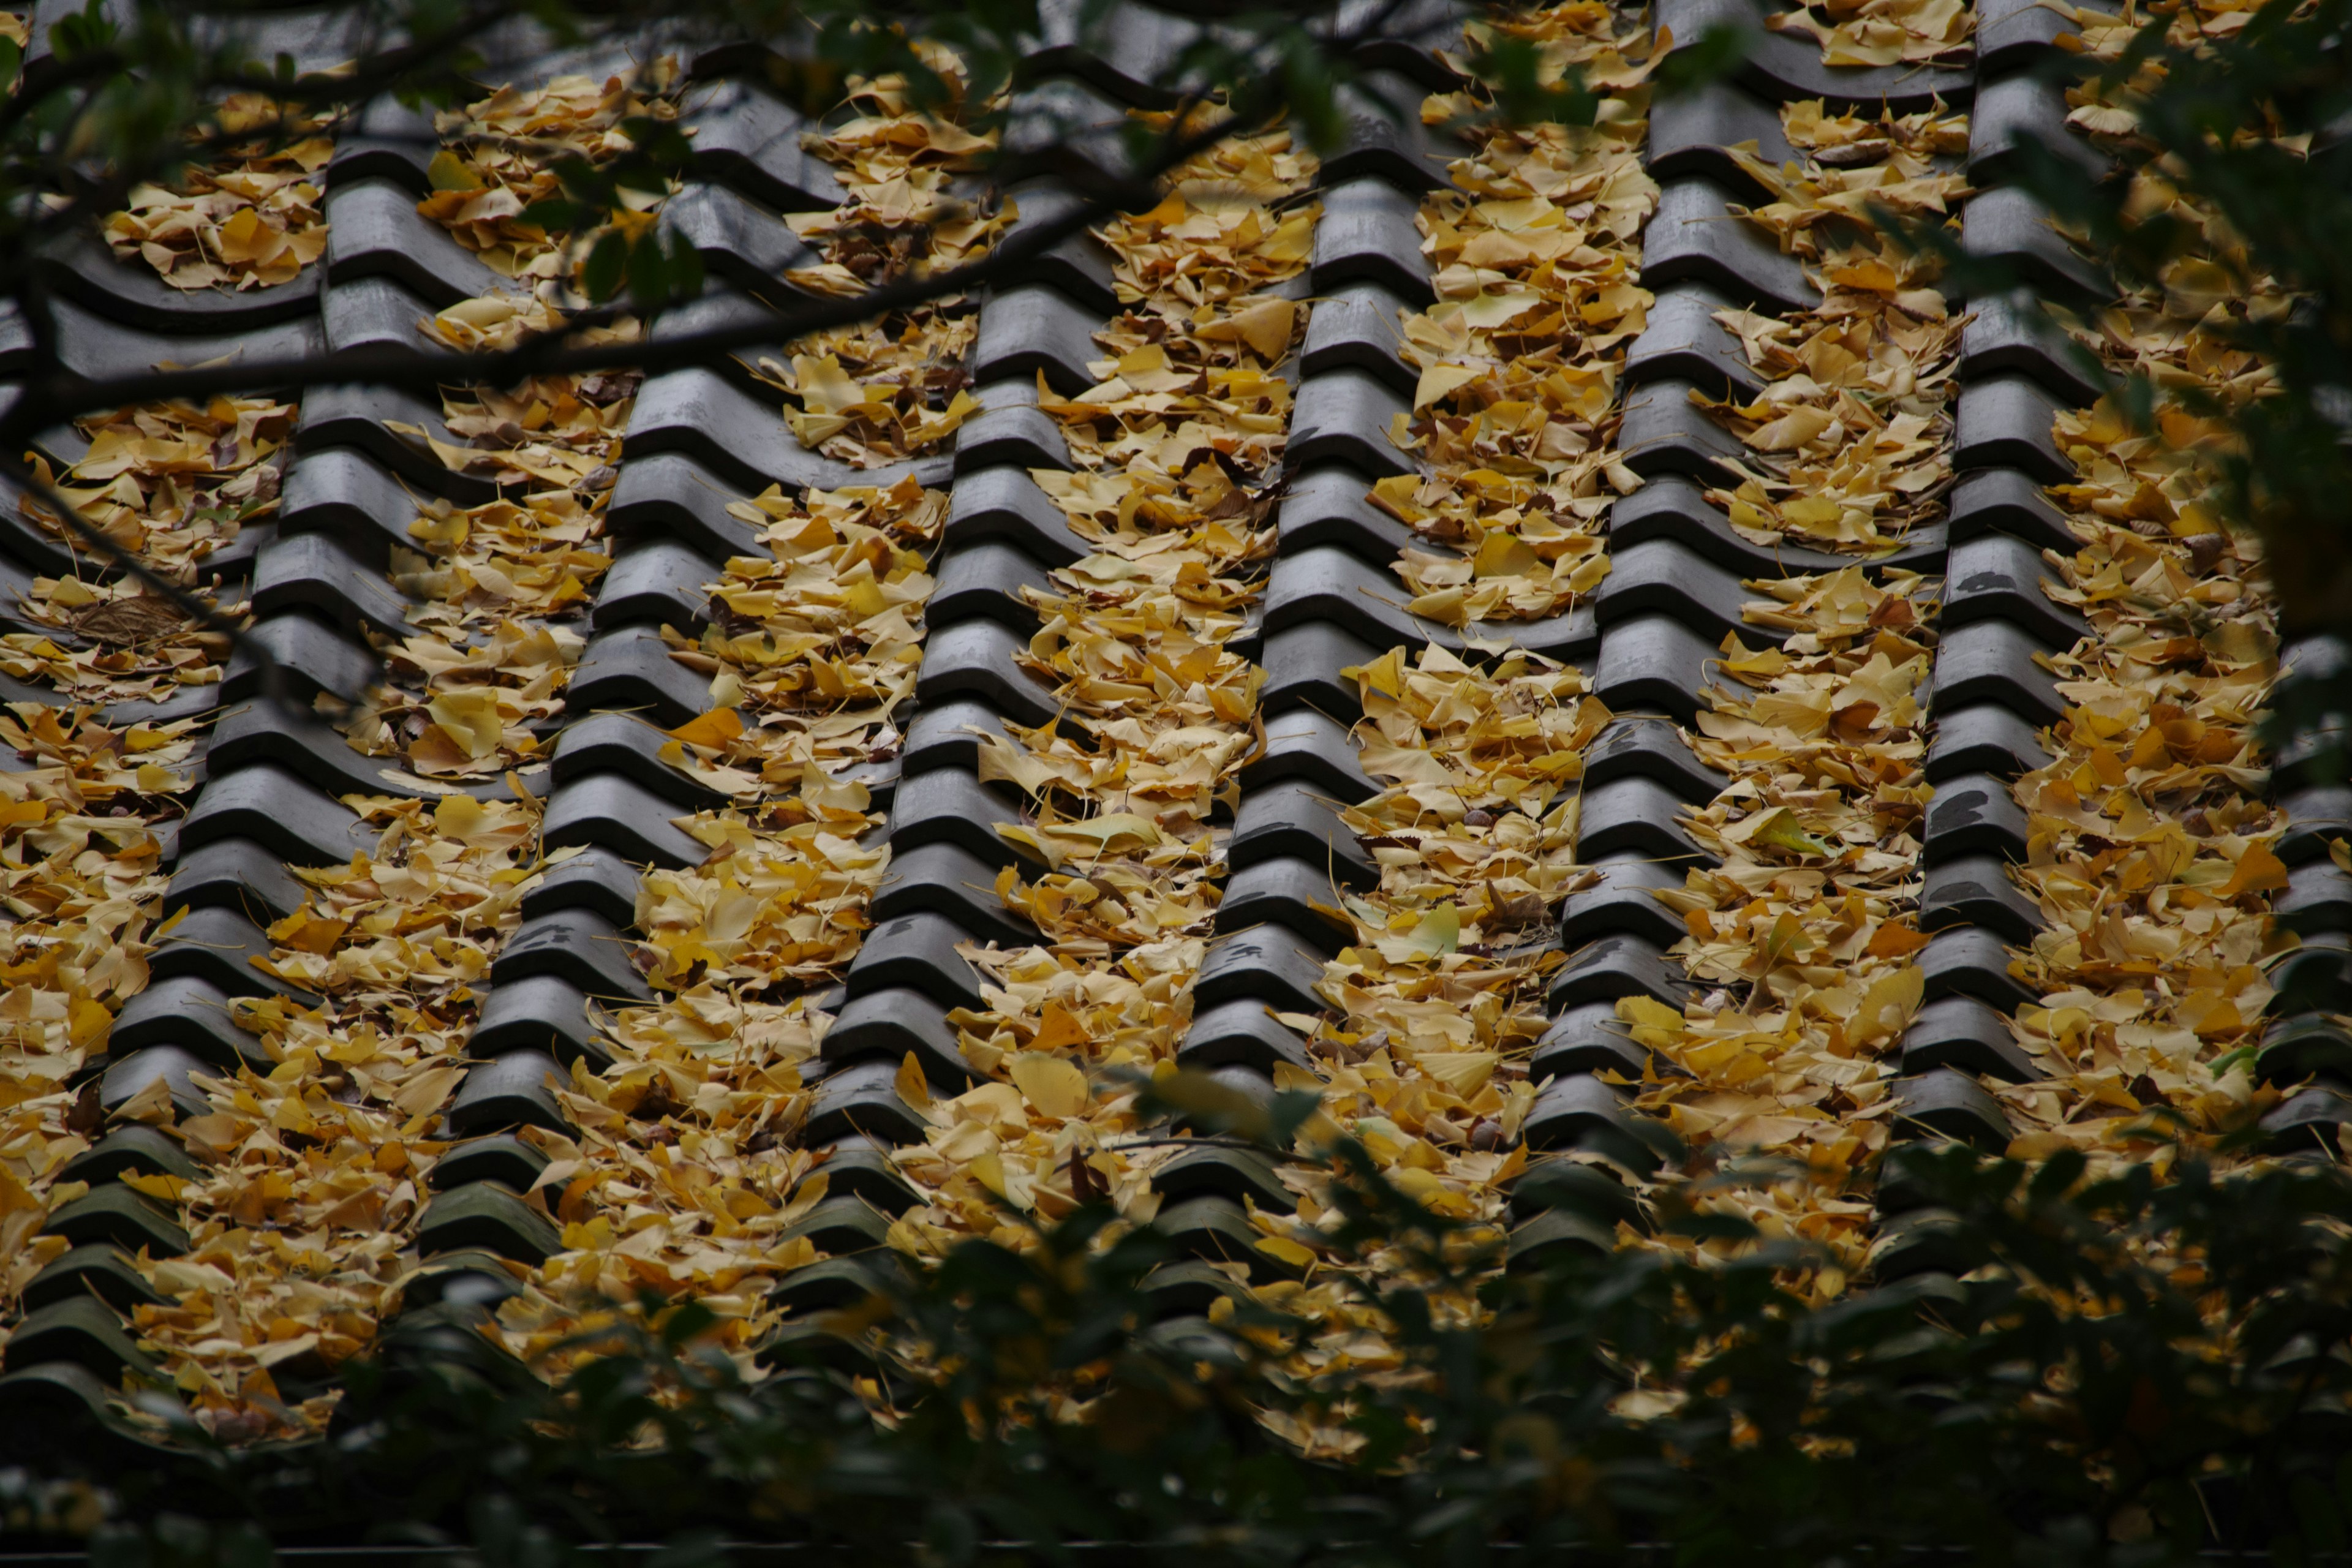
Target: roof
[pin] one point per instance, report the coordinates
(512, 1028)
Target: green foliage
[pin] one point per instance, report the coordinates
(2056, 1390)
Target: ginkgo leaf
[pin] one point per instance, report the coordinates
(1052, 1085)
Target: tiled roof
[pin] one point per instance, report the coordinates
(318, 573)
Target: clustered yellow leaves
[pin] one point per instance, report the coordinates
(1134, 643)
(780, 902)
(2102, 35)
(1884, 32)
(1853, 431)
(1439, 995)
(486, 663)
(891, 389)
(1803, 935)
(1233, 224)
(81, 880)
(811, 649)
(490, 584)
(1063, 1040)
(499, 156)
(2151, 842)
(1537, 249)
(249, 219)
(315, 1156)
(552, 432)
(1178, 443)
(173, 484)
(1174, 452)
(675, 1178)
(896, 161)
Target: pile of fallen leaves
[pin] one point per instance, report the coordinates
(496, 589)
(678, 1177)
(1885, 32)
(1439, 997)
(505, 151)
(2104, 34)
(1537, 249)
(2151, 844)
(251, 217)
(1437, 1000)
(1175, 452)
(81, 867)
(888, 390)
(1852, 435)
(172, 484)
(1802, 938)
(316, 1158)
(2150, 841)
(812, 649)
(473, 686)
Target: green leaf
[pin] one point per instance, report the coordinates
(607, 265)
(556, 215)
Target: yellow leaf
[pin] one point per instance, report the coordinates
(88, 1023)
(156, 1185)
(1791, 430)
(1384, 674)
(1779, 829)
(1488, 312)
(912, 1087)
(448, 172)
(1054, 1086)
(469, 718)
(1888, 1005)
(2259, 871)
(1812, 512)
(1287, 1251)
(1464, 1072)
(1894, 941)
(1646, 1011)
(1503, 555)
(1265, 327)
(459, 816)
(824, 386)
(426, 1090)
(1440, 381)
(714, 730)
(1113, 832)
(1785, 936)
(1394, 496)
(987, 1169)
(1059, 1030)
(1439, 930)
